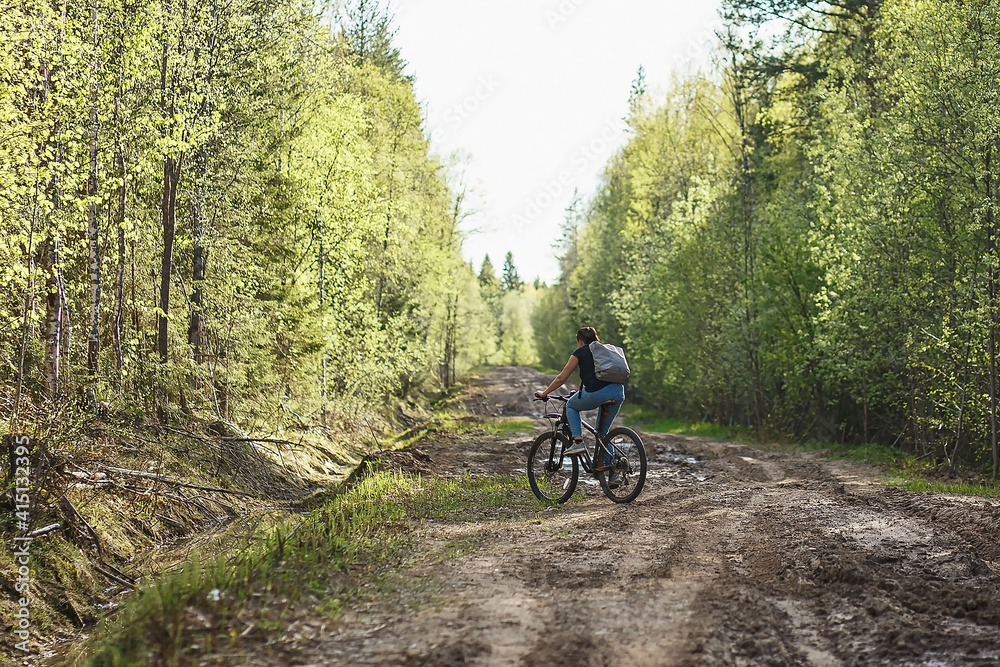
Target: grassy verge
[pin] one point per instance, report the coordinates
(878, 456)
(449, 423)
(906, 471)
(958, 488)
(900, 469)
(649, 420)
(218, 609)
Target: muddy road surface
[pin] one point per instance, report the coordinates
(731, 556)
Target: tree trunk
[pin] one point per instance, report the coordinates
(993, 384)
(54, 317)
(382, 269)
(93, 233)
(994, 316)
(168, 219)
(196, 325)
(321, 260)
(118, 317)
(54, 304)
(321, 299)
(448, 363)
(136, 328)
(748, 269)
(384, 264)
(168, 216)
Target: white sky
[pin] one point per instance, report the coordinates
(530, 94)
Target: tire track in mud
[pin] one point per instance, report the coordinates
(731, 556)
(856, 574)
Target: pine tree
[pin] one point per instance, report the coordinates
(487, 275)
(511, 280)
(369, 32)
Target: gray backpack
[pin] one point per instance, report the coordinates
(609, 362)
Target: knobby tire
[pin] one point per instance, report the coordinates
(552, 485)
(630, 457)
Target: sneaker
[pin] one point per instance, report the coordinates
(614, 479)
(575, 449)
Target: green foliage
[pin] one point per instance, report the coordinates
(511, 306)
(648, 421)
(511, 279)
(805, 241)
(262, 184)
(553, 326)
(553, 319)
(517, 340)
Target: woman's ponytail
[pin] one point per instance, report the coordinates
(587, 335)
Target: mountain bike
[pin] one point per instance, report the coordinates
(553, 476)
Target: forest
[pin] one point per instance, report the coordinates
(254, 396)
(226, 209)
(203, 218)
(803, 239)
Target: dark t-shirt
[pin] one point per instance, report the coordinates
(587, 376)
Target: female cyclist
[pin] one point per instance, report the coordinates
(592, 393)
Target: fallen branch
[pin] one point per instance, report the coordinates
(374, 437)
(228, 509)
(114, 577)
(224, 438)
(277, 441)
(73, 516)
(45, 531)
(175, 482)
(187, 500)
(178, 526)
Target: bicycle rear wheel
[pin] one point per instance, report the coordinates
(551, 475)
(629, 462)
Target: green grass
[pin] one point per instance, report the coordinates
(649, 420)
(458, 424)
(901, 470)
(509, 425)
(870, 454)
(320, 562)
(958, 488)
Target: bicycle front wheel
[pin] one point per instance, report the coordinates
(623, 481)
(551, 475)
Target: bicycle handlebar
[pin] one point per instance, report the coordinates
(554, 397)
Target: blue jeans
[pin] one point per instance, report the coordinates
(585, 400)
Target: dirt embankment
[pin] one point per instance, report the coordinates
(117, 502)
(731, 556)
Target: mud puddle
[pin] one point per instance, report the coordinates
(731, 556)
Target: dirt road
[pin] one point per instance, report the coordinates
(730, 556)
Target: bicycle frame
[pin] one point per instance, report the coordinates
(600, 448)
(617, 460)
